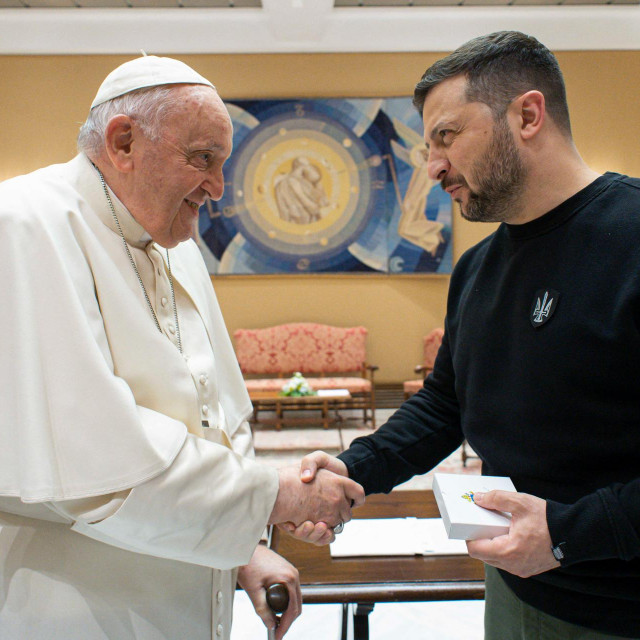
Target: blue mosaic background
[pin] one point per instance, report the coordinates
(383, 138)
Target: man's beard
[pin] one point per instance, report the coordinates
(500, 176)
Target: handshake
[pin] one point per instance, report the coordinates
(315, 498)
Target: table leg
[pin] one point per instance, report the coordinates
(278, 415)
(345, 621)
(361, 621)
(325, 414)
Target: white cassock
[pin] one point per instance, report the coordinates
(121, 515)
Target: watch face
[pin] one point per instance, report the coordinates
(314, 186)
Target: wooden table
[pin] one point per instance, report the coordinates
(367, 580)
(273, 401)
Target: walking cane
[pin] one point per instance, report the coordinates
(278, 601)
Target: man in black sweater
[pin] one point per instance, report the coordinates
(539, 368)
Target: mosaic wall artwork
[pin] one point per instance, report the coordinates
(327, 186)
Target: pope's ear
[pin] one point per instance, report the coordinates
(531, 110)
(118, 140)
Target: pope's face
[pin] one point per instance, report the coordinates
(173, 176)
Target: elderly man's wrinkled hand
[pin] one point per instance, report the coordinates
(319, 533)
(265, 568)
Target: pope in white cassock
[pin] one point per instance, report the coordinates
(128, 493)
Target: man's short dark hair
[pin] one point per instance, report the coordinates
(499, 67)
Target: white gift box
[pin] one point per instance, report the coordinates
(462, 518)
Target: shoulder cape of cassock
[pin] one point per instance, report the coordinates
(94, 398)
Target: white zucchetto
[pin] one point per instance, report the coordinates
(147, 71)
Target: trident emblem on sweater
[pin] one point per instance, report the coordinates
(544, 304)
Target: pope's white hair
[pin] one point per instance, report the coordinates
(146, 107)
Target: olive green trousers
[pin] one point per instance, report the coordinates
(506, 617)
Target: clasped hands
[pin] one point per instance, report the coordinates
(525, 551)
(315, 497)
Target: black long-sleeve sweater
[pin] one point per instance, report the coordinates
(551, 400)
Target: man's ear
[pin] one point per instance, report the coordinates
(118, 141)
(531, 112)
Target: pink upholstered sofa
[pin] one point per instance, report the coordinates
(329, 358)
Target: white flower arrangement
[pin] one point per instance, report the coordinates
(297, 386)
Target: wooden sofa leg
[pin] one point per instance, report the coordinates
(369, 415)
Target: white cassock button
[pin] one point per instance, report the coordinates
(205, 409)
(164, 302)
(203, 380)
(219, 597)
(172, 329)
(219, 630)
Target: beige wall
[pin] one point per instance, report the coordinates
(45, 98)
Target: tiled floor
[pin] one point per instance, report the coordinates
(412, 621)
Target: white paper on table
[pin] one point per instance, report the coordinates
(395, 537)
(332, 392)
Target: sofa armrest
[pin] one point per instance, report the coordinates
(423, 369)
(368, 371)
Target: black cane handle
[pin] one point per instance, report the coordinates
(278, 597)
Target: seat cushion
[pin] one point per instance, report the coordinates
(412, 386)
(265, 384)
